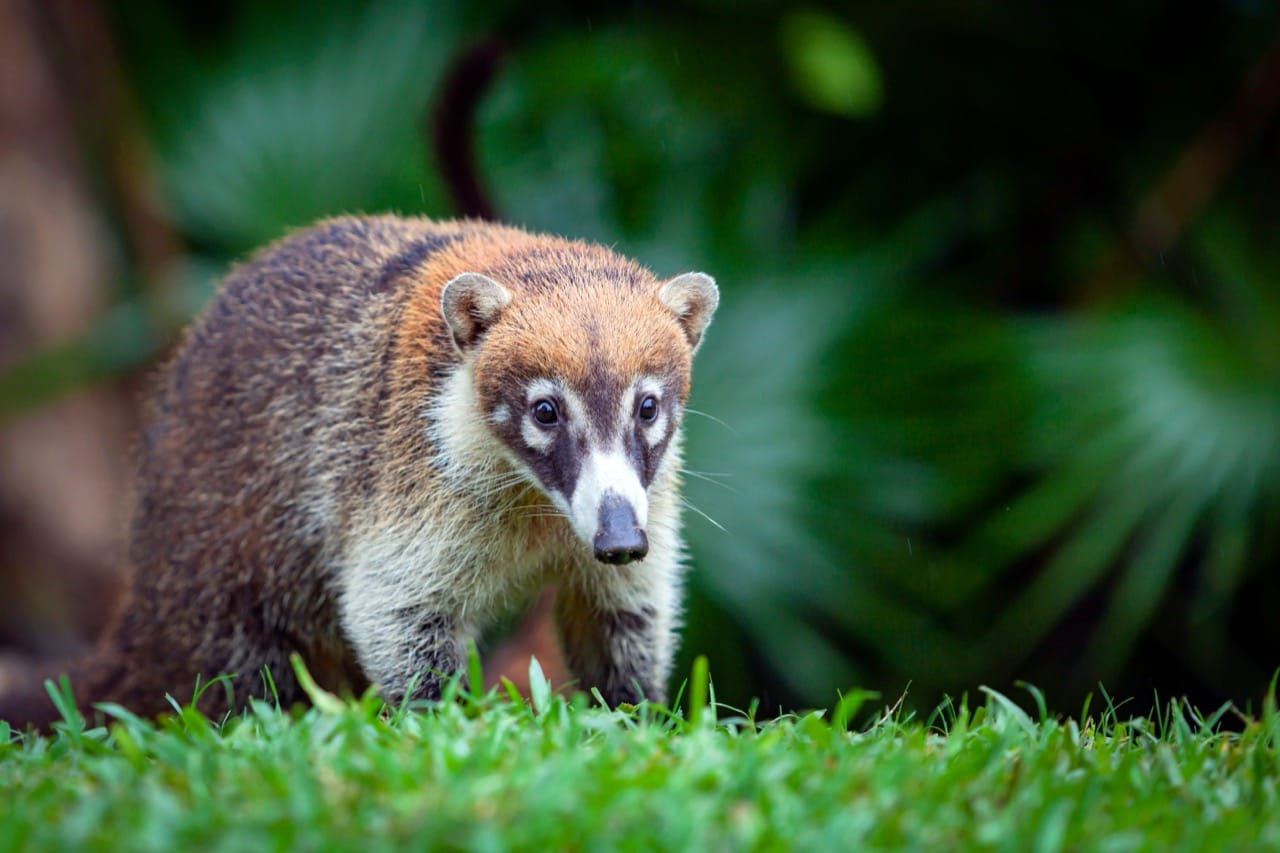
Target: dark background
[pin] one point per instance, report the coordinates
(994, 390)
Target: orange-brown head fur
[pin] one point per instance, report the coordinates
(574, 300)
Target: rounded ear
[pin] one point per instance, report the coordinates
(693, 298)
(471, 302)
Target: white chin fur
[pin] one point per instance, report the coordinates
(605, 472)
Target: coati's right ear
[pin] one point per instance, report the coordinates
(471, 302)
(693, 298)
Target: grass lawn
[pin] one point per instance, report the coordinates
(493, 772)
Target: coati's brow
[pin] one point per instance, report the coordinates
(542, 386)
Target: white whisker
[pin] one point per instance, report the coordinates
(552, 514)
(487, 488)
(711, 418)
(690, 505)
(711, 478)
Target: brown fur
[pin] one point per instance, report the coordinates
(290, 423)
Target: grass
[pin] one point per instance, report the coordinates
(490, 772)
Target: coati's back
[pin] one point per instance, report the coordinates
(338, 458)
(253, 427)
(265, 416)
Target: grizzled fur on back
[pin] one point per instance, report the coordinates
(334, 467)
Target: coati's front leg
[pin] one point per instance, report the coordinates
(406, 649)
(618, 633)
(408, 652)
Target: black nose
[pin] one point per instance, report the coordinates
(619, 538)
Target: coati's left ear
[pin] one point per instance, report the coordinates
(471, 302)
(693, 298)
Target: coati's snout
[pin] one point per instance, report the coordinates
(619, 537)
(608, 507)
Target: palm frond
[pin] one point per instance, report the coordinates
(293, 130)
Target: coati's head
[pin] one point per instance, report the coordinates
(581, 363)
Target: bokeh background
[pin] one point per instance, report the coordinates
(994, 390)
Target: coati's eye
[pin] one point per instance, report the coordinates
(545, 413)
(648, 409)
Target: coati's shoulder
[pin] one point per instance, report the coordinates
(375, 255)
(367, 255)
(372, 255)
(311, 291)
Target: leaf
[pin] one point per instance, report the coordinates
(698, 681)
(513, 692)
(1011, 710)
(848, 706)
(325, 124)
(830, 65)
(475, 671)
(73, 722)
(324, 701)
(539, 687)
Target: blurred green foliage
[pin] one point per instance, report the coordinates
(961, 423)
(831, 66)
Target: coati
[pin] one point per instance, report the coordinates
(381, 432)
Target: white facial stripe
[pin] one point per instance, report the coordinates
(605, 471)
(572, 413)
(575, 411)
(500, 414)
(541, 387)
(538, 439)
(648, 385)
(655, 432)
